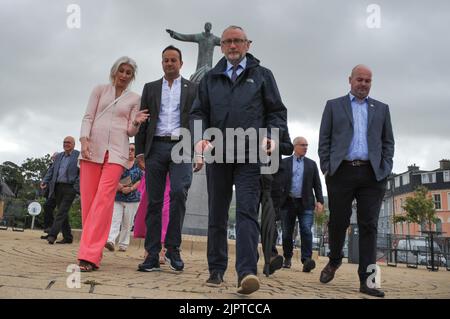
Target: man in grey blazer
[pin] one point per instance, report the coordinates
(63, 183)
(169, 102)
(356, 147)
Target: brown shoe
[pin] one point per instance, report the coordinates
(110, 246)
(327, 273)
(248, 284)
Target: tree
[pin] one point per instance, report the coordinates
(12, 175)
(420, 208)
(33, 170)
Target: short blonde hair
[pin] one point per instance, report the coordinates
(118, 63)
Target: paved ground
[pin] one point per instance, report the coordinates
(31, 268)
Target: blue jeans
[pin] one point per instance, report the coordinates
(294, 210)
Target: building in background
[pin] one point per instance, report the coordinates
(401, 186)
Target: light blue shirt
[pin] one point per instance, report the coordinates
(240, 69)
(169, 121)
(63, 176)
(358, 149)
(298, 167)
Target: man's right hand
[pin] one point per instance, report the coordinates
(200, 148)
(141, 162)
(43, 186)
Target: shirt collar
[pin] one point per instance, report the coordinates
(241, 64)
(299, 158)
(352, 97)
(176, 81)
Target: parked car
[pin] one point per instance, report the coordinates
(417, 251)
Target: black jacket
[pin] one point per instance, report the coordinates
(253, 101)
(311, 181)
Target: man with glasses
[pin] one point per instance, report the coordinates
(301, 178)
(63, 182)
(237, 93)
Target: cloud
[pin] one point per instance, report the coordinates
(48, 70)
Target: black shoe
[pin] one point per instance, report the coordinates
(327, 273)
(248, 284)
(309, 265)
(51, 239)
(44, 237)
(276, 262)
(151, 263)
(215, 279)
(363, 288)
(287, 263)
(64, 241)
(47, 230)
(173, 258)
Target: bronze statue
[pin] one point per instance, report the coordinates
(206, 43)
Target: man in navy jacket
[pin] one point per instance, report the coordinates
(237, 93)
(299, 202)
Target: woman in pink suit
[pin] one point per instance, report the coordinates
(112, 116)
(140, 227)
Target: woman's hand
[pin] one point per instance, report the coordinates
(85, 149)
(141, 117)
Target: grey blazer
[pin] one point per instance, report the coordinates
(73, 172)
(336, 133)
(151, 100)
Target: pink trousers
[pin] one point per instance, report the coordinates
(140, 227)
(98, 187)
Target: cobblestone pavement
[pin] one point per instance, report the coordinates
(31, 268)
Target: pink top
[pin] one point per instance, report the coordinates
(110, 130)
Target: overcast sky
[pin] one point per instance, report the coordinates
(48, 70)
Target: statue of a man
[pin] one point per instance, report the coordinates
(206, 43)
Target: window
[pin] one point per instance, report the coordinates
(437, 201)
(405, 179)
(448, 201)
(397, 181)
(439, 226)
(388, 185)
(401, 205)
(428, 178)
(446, 175)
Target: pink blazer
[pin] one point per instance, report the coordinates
(111, 130)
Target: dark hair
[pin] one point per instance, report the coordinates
(171, 47)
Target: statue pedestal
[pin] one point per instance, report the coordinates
(196, 218)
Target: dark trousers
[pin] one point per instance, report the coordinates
(220, 179)
(157, 165)
(49, 208)
(292, 211)
(64, 197)
(347, 184)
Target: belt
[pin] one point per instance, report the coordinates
(167, 139)
(356, 163)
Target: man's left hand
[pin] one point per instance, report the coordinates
(268, 145)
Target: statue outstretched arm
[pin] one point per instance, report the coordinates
(216, 41)
(182, 37)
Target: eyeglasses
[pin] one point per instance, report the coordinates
(67, 142)
(235, 41)
(302, 145)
